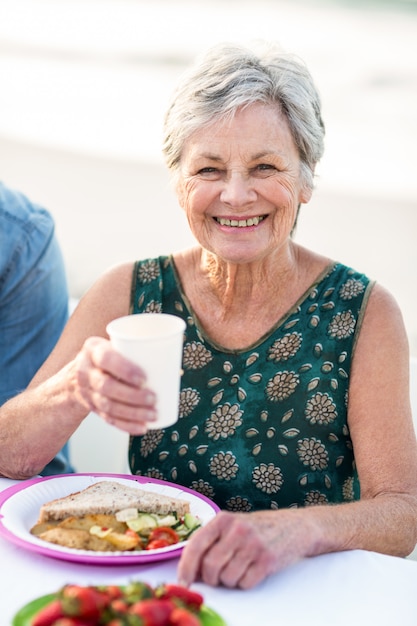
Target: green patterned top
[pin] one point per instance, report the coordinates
(265, 427)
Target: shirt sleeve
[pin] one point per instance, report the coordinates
(33, 296)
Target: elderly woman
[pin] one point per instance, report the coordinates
(295, 385)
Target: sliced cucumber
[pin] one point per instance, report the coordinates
(191, 521)
(126, 514)
(167, 520)
(142, 522)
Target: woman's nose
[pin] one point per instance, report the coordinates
(237, 190)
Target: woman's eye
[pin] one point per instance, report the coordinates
(263, 167)
(208, 173)
(263, 170)
(207, 170)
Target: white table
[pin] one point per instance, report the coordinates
(355, 588)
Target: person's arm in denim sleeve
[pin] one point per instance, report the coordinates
(33, 297)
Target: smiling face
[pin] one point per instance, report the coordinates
(240, 185)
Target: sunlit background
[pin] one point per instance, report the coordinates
(83, 89)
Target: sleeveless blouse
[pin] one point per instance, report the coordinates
(264, 427)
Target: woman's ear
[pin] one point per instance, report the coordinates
(307, 188)
(305, 194)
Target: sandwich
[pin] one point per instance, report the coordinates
(109, 497)
(110, 516)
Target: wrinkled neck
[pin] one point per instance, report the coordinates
(235, 284)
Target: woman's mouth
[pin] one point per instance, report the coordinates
(251, 221)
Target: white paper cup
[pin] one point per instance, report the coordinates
(154, 341)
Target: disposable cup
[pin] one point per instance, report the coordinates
(154, 341)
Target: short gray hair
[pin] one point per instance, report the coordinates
(229, 77)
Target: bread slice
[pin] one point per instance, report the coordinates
(109, 497)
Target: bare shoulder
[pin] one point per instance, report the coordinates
(383, 325)
(380, 367)
(109, 296)
(118, 277)
(381, 297)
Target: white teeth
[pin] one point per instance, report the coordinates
(252, 221)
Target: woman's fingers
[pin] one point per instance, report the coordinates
(131, 416)
(101, 355)
(234, 550)
(192, 557)
(210, 551)
(114, 387)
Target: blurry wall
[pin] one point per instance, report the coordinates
(84, 84)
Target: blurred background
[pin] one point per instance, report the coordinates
(83, 89)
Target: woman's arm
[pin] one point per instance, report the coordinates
(83, 373)
(240, 549)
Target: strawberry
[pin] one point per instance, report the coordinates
(86, 602)
(136, 591)
(73, 621)
(49, 614)
(153, 612)
(189, 598)
(112, 591)
(181, 617)
(118, 606)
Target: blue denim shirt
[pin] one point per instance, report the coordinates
(33, 297)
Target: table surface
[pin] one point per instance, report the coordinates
(344, 588)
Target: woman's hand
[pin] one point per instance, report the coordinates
(113, 387)
(241, 549)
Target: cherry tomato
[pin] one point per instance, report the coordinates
(166, 533)
(131, 533)
(155, 544)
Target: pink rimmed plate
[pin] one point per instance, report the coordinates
(20, 505)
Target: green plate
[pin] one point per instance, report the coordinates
(25, 615)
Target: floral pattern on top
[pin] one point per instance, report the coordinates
(266, 427)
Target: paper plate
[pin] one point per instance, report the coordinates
(20, 505)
